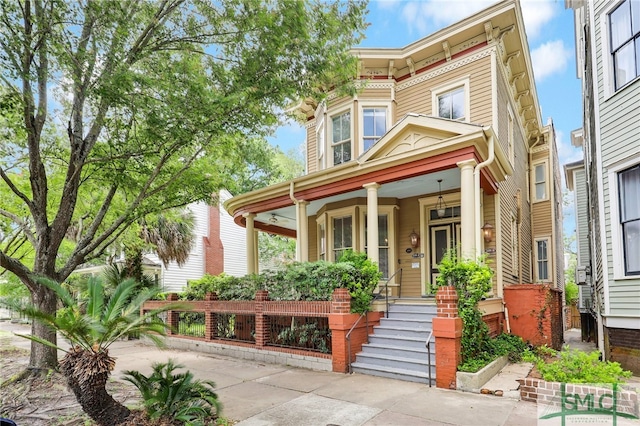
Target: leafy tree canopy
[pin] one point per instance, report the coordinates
(115, 110)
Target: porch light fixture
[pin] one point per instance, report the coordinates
(273, 218)
(414, 239)
(441, 206)
(487, 232)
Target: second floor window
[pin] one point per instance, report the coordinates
(629, 183)
(624, 26)
(451, 104)
(540, 182)
(341, 138)
(375, 125)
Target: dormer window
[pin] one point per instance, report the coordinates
(341, 138)
(375, 125)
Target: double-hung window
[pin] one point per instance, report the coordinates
(540, 182)
(342, 235)
(383, 243)
(341, 138)
(624, 28)
(375, 125)
(629, 199)
(542, 259)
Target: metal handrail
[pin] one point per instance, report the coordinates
(386, 314)
(428, 345)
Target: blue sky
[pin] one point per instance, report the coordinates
(549, 27)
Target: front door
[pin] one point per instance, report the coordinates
(443, 238)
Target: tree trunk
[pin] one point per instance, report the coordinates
(87, 373)
(43, 358)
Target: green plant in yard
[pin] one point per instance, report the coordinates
(574, 366)
(472, 281)
(362, 281)
(571, 292)
(176, 396)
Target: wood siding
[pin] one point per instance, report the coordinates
(582, 234)
(312, 150)
(409, 220)
(515, 186)
(417, 98)
(619, 141)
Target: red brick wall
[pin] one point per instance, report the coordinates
(535, 313)
(623, 346)
(213, 248)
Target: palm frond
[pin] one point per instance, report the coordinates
(119, 298)
(63, 294)
(96, 298)
(40, 340)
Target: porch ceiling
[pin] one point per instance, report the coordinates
(285, 217)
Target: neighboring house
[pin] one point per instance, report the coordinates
(444, 146)
(608, 62)
(219, 247)
(576, 179)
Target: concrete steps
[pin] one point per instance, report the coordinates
(397, 347)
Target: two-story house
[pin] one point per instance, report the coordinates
(608, 51)
(444, 146)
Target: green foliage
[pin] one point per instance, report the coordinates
(505, 344)
(363, 282)
(576, 366)
(169, 395)
(305, 336)
(571, 293)
(472, 281)
(95, 320)
(297, 281)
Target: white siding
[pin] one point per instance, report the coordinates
(233, 241)
(619, 142)
(174, 277)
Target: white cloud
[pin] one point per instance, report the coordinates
(420, 14)
(550, 58)
(536, 14)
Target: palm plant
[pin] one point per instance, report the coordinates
(91, 325)
(175, 396)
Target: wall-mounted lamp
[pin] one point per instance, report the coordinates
(487, 232)
(441, 206)
(414, 239)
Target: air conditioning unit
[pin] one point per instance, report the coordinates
(581, 275)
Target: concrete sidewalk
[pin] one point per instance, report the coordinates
(259, 394)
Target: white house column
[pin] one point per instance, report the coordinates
(252, 247)
(372, 222)
(467, 209)
(302, 231)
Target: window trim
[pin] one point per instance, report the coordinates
(610, 49)
(321, 136)
(329, 142)
(617, 251)
(390, 211)
(549, 259)
(362, 105)
(534, 195)
(332, 214)
(608, 69)
(440, 90)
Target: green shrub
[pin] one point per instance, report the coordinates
(575, 366)
(177, 396)
(472, 281)
(298, 281)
